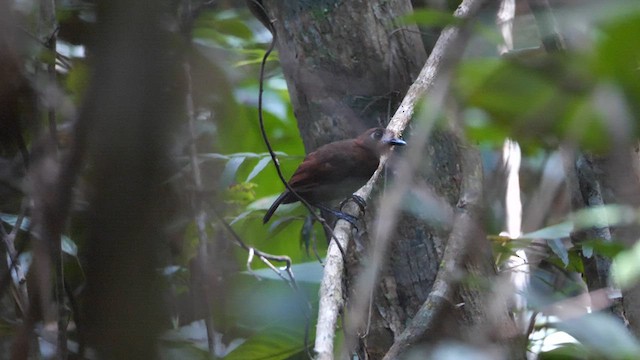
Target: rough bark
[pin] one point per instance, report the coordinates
(345, 63)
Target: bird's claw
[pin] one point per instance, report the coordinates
(348, 218)
(341, 215)
(362, 204)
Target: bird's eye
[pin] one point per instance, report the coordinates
(377, 135)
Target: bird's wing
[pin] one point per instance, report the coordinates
(333, 164)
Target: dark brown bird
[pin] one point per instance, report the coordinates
(335, 170)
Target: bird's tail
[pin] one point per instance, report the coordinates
(274, 207)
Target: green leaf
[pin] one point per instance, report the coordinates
(618, 54)
(271, 343)
(558, 248)
(279, 224)
(538, 103)
(233, 27)
(77, 80)
(230, 170)
(258, 168)
(566, 351)
(625, 269)
(428, 17)
(240, 217)
(241, 193)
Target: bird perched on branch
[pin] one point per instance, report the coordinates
(335, 170)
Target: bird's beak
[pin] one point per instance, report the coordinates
(398, 142)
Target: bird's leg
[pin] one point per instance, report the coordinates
(362, 204)
(339, 214)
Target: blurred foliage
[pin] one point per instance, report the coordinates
(543, 100)
(540, 101)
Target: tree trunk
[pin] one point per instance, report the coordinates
(347, 65)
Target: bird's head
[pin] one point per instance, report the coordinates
(380, 140)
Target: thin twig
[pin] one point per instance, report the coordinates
(266, 258)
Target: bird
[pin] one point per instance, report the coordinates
(336, 170)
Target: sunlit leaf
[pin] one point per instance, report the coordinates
(606, 248)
